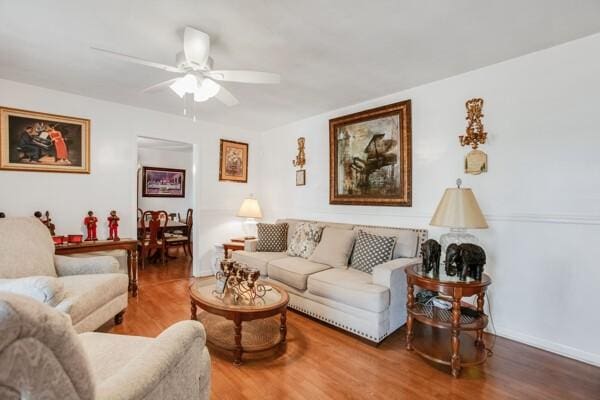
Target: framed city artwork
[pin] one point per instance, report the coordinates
(163, 182)
(370, 157)
(35, 141)
(233, 161)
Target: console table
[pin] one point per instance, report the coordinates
(129, 245)
(438, 333)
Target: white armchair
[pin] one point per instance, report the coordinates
(89, 289)
(41, 356)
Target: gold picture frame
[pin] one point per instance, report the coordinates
(233, 161)
(370, 157)
(41, 142)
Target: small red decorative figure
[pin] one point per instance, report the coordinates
(91, 222)
(113, 226)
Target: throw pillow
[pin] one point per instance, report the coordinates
(305, 239)
(371, 250)
(271, 237)
(334, 248)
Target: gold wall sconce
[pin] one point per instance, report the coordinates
(300, 160)
(475, 133)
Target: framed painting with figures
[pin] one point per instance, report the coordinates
(233, 165)
(163, 182)
(370, 157)
(35, 141)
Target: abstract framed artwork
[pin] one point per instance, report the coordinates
(35, 141)
(163, 182)
(233, 161)
(370, 157)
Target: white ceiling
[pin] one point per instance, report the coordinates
(161, 144)
(330, 53)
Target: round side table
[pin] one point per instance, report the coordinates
(438, 333)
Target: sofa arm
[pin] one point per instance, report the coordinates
(175, 364)
(391, 273)
(250, 245)
(46, 289)
(81, 266)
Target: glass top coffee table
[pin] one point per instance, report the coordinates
(223, 319)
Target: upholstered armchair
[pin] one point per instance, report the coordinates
(42, 357)
(89, 289)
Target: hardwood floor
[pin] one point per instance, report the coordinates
(322, 362)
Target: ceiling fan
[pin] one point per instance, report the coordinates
(195, 64)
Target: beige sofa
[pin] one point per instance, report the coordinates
(41, 357)
(89, 289)
(368, 305)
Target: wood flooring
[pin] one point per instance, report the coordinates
(321, 362)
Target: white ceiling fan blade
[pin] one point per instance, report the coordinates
(244, 76)
(196, 46)
(137, 60)
(160, 85)
(225, 96)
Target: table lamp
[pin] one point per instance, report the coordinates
(250, 209)
(459, 211)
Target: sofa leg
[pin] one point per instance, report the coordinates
(119, 318)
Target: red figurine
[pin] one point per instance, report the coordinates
(91, 222)
(113, 226)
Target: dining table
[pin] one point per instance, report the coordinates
(171, 226)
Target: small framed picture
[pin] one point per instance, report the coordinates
(301, 177)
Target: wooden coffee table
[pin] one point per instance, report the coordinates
(261, 333)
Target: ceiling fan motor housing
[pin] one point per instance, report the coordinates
(182, 63)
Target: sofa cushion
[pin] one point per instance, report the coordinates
(26, 248)
(351, 287)
(305, 239)
(294, 271)
(255, 259)
(371, 250)
(46, 289)
(334, 248)
(84, 294)
(406, 240)
(272, 237)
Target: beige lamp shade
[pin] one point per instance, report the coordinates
(459, 209)
(250, 209)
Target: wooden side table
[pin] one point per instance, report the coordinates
(233, 245)
(129, 245)
(434, 324)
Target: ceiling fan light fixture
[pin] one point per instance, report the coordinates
(187, 84)
(206, 90)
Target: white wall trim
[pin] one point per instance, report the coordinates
(553, 347)
(578, 219)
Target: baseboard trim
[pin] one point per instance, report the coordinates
(553, 347)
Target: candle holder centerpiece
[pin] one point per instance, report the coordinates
(237, 283)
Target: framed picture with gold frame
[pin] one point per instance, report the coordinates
(370, 157)
(35, 141)
(233, 161)
(301, 177)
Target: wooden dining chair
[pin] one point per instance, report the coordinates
(185, 238)
(152, 226)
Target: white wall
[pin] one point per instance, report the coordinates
(167, 159)
(112, 181)
(541, 195)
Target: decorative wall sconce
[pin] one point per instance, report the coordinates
(300, 159)
(475, 160)
(475, 134)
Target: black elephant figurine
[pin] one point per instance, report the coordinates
(466, 260)
(431, 251)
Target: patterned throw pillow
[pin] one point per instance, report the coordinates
(272, 237)
(305, 239)
(371, 250)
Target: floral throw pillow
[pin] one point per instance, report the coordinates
(305, 239)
